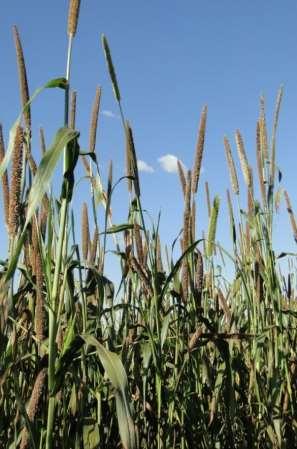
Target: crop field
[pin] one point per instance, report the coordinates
(173, 355)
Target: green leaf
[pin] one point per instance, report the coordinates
(57, 82)
(91, 436)
(177, 266)
(66, 359)
(118, 228)
(13, 260)
(98, 190)
(46, 169)
(164, 329)
(117, 375)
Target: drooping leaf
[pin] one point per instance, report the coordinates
(117, 375)
(177, 266)
(119, 228)
(47, 167)
(55, 83)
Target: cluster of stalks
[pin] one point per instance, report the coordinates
(175, 356)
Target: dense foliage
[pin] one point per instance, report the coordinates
(175, 356)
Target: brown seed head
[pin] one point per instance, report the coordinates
(138, 242)
(38, 271)
(15, 188)
(24, 89)
(187, 212)
(186, 237)
(231, 166)
(263, 130)
(260, 164)
(251, 191)
(291, 215)
(73, 14)
(159, 255)
(243, 158)
(273, 139)
(193, 342)
(94, 121)
(199, 272)
(132, 156)
(5, 186)
(193, 221)
(72, 114)
(85, 233)
(135, 265)
(94, 246)
(111, 69)
(182, 177)
(33, 405)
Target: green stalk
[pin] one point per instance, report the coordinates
(53, 325)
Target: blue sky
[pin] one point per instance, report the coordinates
(171, 57)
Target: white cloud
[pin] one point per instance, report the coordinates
(169, 163)
(143, 166)
(108, 113)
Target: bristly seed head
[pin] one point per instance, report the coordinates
(131, 152)
(33, 405)
(243, 158)
(199, 150)
(94, 246)
(231, 166)
(260, 163)
(85, 233)
(73, 14)
(94, 120)
(111, 69)
(291, 215)
(15, 188)
(182, 177)
(5, 185)
(72, 114)
(24, 89)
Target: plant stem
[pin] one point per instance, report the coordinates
(53, 324)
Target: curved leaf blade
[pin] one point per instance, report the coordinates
(117, 375)
(46, 168)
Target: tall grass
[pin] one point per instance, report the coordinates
(179, 357)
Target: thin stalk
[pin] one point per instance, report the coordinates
(53, 325)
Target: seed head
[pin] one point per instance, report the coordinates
(199, 150)
(85, 233)
(5, 186)
(15, 188)
(72, 114)
(231, 166)
(73, 14)
(182, 177)
(243, 158)
(94, 120)
(111, 69)
(24, 89)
